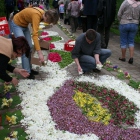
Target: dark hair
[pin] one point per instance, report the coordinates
(91, 34)
(20, 43)
(52, 16)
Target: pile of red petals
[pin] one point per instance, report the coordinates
(44, 33)
(47, 38)
(54, 57)
(52, 46)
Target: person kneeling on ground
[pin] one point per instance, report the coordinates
(15, 47)
(87, 52)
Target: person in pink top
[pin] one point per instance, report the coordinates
(61, 10)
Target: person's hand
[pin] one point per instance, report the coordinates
(79, 69)
(23, 73)
(41, 57)
(98, 62)
(14, 81)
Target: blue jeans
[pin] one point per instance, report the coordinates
(88, 63)
(23, 31)
(127, 34)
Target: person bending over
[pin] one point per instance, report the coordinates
(15, 48)
(33, 16)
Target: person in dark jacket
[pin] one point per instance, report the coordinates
(87, 52)
(90, 11)
(105, 20)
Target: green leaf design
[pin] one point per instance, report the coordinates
(16, 101)
(16, 113)
(66, 58)
(21, 134)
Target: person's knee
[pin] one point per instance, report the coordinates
(109, 52)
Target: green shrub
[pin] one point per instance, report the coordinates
(2, 8)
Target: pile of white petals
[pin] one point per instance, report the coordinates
(35, 93)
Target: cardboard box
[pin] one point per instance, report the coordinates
(45, 47)
(4, 27)
(68, 46)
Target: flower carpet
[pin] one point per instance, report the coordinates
(65, 108)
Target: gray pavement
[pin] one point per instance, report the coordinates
(114, 46)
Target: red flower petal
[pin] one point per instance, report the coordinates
(52, 46)
(54, 57)
(44, 33)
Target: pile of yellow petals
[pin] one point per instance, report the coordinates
(92, 108)
(13, 134)
(12, 119)
(7, 88)
(6, 102)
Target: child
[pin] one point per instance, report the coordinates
(61, 10)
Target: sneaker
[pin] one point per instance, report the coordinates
(34, 72)
(31, 76)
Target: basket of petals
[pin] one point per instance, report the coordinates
(69, 45)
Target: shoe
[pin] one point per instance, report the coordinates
(34, 72)
(96, 70)
(31, 76)
(130, 61)
(122, 59)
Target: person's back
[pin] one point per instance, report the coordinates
(109, 12)
(90, 10)
(74, 8)
(61, 8)
(131, 12)
(90, 7)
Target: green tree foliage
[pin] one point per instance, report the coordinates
(2, 8)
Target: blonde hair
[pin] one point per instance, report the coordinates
(52, 16)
